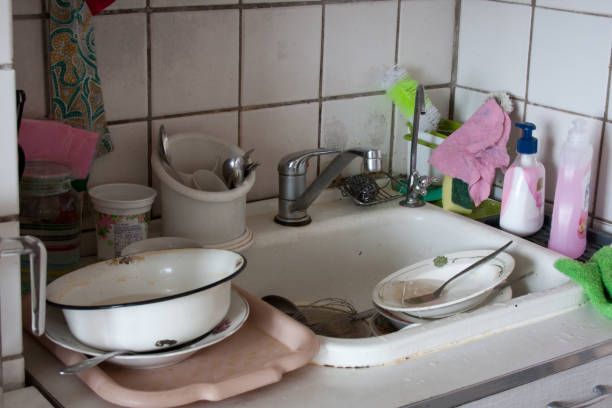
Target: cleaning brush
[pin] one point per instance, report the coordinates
(401, 88)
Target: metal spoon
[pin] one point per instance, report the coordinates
(163, 155)
(233, 171)
(286, 306)
(436, 294)
(92, 362)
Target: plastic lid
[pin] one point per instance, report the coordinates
(527, 144)
(577, 134)
(46, 171)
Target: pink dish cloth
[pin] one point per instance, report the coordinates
(476, 149)
(55, 141)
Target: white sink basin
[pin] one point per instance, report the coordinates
(348, 249)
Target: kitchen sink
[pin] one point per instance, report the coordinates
(348, 249)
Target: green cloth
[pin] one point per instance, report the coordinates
(594, 276)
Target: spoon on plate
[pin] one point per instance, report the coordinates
(428, 297)
(92, 362)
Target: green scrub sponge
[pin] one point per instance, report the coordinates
(455, 196)
(595, 277)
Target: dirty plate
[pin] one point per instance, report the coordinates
(402, 320)
(57, 331)
(423, 277)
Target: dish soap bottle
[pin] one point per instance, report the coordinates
(571, 208)
(522, 209)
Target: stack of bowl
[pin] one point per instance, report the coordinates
(147, 302)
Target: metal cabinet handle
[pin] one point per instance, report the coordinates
(32, 246)
(602, 391)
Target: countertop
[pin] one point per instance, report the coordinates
(457, 374)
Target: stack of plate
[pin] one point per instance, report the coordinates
(466, 292)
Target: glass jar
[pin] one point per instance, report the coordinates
(50, 209)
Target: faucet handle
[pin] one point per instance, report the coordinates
(295, 164)
(423, 182)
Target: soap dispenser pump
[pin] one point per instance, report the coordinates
(522, 209)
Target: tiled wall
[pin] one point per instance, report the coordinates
(554, 60)
(284, 76)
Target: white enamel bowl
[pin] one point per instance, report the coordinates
(461, 294)
(147, 301)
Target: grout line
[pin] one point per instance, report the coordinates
(395, 61)
(540, 105)
(595, 182)
(455, 60)
(320, 113)
(149, 98)
(531, 28)
(240, 72)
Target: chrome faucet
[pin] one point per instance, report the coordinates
(293, 196)
(417, 185)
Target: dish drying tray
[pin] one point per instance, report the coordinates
(267, 346)
(384, 192)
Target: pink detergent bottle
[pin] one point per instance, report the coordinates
(522, 208)
(571, 209)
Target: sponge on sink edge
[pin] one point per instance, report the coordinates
(455, 196)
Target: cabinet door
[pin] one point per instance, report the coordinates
(568, 387)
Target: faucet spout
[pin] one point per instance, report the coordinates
(294, 198)
(416, 184)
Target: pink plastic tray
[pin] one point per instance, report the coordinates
(267, 346)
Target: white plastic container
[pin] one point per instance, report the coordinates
(571, 209)
(212, 218)
(123, 213)
(522, 209)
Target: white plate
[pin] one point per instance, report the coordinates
(401, 320)
(424, 277)
(57, 331)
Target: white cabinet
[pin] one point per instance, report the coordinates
(568, 387)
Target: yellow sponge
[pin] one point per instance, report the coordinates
(455, 196)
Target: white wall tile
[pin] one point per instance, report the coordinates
(590, 6)
(426, 39)
(6, 32)
(551, 131)
(401, 147)
(10, 293)
(610, 107)
(121, 51)
(128, 162)
(359, 122)
(177, 3)
(359, 46)
(127, 4)
(570, 61)
(281, 54)
(26, 7)
(275, 132)
(194, 61)
(9, 200)
(603, 206)
(493, 51)
(30, 65)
